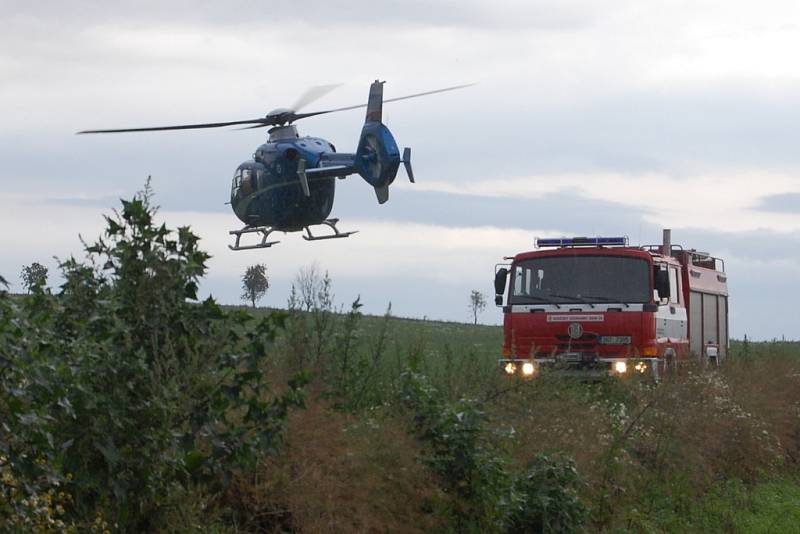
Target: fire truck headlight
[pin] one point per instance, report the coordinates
(510, 368)
(527, 369)
(640, 367)
(620, 367)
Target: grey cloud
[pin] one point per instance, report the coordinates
(568, 211)
(102, 202)
(678, 133)
(755, 246)
(784, 203)
(538, 14)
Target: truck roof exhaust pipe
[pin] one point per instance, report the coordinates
(666, 242)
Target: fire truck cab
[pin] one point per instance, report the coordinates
(597, 306)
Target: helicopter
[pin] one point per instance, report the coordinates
(290, 183)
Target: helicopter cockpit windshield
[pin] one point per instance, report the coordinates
(244, 182)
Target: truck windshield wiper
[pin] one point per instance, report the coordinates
(607, 299)
(576, 297)
(540, 299)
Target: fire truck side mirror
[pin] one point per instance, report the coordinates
(662, 281)
(500, 284)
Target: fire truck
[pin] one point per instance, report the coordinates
(597, 306)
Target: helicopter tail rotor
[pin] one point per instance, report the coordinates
(377, 157)
(407, 163)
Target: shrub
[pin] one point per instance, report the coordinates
(548, 497)
(124, 390)
(490, 496)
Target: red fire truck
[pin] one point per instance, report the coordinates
(597, 306)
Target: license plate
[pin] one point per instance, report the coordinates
(615, 340)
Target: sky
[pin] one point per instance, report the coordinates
(589, 117)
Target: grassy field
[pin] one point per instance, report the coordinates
(708, 450)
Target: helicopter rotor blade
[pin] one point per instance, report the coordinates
(285, 117)
(257, 122)
(298, 116)
(313, 93)
(264, 125)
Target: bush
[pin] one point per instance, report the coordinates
(123, 390)
(548, 498)
(490, 496)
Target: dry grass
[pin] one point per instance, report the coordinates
(341, 473)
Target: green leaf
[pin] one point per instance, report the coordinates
(194, 460)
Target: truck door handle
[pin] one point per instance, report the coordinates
(672, 310)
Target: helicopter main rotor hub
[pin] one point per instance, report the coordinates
(280, 116)
(278, 133)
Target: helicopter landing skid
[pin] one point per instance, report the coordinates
(263, 230)
(332, 224)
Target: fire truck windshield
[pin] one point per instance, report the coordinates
(581, 279)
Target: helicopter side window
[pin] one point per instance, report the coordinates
(246, 183)
(237, 181)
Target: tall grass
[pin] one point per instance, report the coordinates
(652, 457)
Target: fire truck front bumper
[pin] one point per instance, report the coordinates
(581, 365)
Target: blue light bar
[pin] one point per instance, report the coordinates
(581, 242)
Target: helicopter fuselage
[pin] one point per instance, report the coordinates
(266, 191)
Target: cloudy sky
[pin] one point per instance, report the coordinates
(590, 117)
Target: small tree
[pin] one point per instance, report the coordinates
(477, 303)
(311, 307)
(311, 289)
(255, 283)
(34, 275)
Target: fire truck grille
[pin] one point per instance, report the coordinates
(577, 360)
(587, 342)
(575, 346)
(584, 337)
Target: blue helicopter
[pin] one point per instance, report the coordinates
(290, 183)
